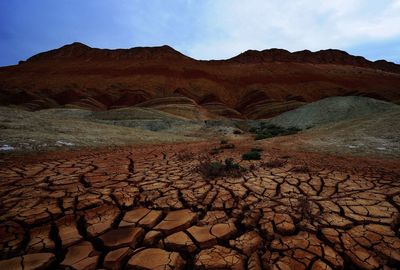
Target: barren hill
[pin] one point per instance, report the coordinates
(332, 110)
(254, 84)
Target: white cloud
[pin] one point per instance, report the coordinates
(236, 25)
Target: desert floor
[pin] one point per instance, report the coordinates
(147, 207)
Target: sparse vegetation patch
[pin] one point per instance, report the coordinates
(305, 211)
(224, 144)
(301, 169)
(265, 131)
(184, 156)
(215, 151)
(274, 163)
(227, 146)
(252, 155)
(395, 225)
(212, 169)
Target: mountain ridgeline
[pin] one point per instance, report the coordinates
(252, 85)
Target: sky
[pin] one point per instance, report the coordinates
(202, 29)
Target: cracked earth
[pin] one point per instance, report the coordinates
(146, 208)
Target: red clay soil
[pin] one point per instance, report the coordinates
(150, 208)
(314, 160)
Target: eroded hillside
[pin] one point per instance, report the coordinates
(255, 84)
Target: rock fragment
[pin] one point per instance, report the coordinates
(143, 217)
(219, 257)
(122, 237)
(114, 259)
(180, 241)
(248, 242)
(157, 259)
(176, 221)
(81, 256)
(34, 261)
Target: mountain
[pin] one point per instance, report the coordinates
(81, 51)
(254, 84)
(330, 56)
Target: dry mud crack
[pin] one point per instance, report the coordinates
(147, 209)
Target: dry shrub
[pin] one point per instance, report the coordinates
(215, 151)
(304, 208)
(212, 169)
(395, 225)
(251, 155)
(305, 211)
(227, 146)
(301, 169)
(274, 163)
(184, 156)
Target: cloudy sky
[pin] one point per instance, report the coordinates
(203, 29)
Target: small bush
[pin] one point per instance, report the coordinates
(262, 136)
(251, 155)
(227, 146)
(395, 225)
(301, 169)
(215, 151)
(292, 130)
(269, 130)
(215, 168)
(212, 169)
(208, 168)
(305, 211)
(274, 163)
(236, 131)
(184, 156)
(256, 149)
(231, 165)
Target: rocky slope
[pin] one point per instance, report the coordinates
(254, 84)
(333, 110)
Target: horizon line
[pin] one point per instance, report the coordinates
(219, 59)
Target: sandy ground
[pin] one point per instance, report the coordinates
(372, 136)
(60, 129)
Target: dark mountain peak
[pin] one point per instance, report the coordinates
(333, 51)
(157, 52)
(328, 56)
(76, 45)
(72, 50)
(80, 51)
(280, 55)
(269, 55)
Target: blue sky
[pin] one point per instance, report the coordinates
(202, 29)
